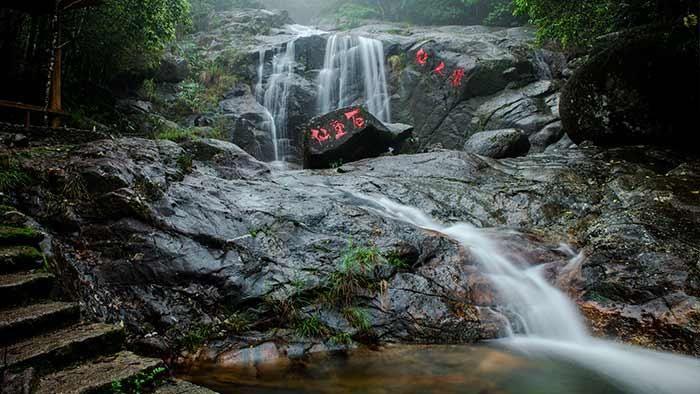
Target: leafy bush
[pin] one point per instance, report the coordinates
(579, 23)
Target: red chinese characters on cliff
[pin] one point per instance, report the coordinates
(339, 127)
(456, 77)
(422, 57)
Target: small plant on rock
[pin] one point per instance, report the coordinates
(311, 327)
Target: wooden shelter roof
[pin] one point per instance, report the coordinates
(39, 7)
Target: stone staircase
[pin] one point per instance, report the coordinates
(44, 345)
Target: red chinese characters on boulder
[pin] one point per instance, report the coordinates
(321, 135)
(339, 129)
(440, 69)
(456, 78)
(357, 120)
(422, 57)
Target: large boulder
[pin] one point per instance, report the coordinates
(348, 134)
(643, 88)
(498, 144)
(247, 123)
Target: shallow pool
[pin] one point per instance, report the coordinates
(409, 369)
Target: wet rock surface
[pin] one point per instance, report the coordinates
(498, 144)
(170, 237)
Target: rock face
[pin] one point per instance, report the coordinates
(169, 237)
(504, 84)
(246, 122)
(347, 135)
(173, 69)
(641, 89)
(498, 144)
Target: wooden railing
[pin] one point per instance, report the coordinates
(28, 109)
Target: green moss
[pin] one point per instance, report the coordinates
(21, 254)
(19, 236)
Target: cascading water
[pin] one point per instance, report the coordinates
(354, 71)
(275, 98)
(549, 320)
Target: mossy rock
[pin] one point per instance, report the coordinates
(19, 236)
(19, 257)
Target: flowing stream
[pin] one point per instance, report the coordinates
(354, 71)
(549, 322)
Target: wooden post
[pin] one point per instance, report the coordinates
(55, 103)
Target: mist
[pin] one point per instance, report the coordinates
(302, 11)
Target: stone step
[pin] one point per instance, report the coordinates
(22, 322)
(21, 288)
(17, 258)
(12, 236)
(182, 387)
(52, 350)
(99, 375)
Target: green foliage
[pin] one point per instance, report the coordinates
(355, 275)
(195, 337)
(148, 90)
(579, 23)
(185, 163)
(311, 327)
(238, 322)
(396, 261)
(358, 318)
(343, 339)
(121, 36)
(353, 12)
(141, 383)
(12, 175)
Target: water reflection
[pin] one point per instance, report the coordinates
(409, 369)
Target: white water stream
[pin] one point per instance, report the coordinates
(550, 321)
(354, 71)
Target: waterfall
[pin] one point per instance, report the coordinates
(354, 70)
(550, 322)
(275, 97)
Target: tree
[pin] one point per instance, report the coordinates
(578, 23)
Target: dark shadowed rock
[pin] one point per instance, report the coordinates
(172, 69)
(498, 144)
(347, 135)
(549, 135)
(641, 89)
